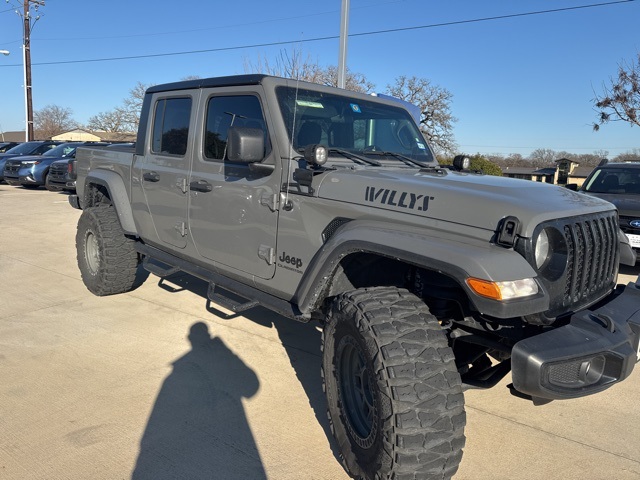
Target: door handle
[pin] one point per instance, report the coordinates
(200, 186)
(151, 177)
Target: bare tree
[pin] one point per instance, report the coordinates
(293, 65)
(112, 121)
(620, 100)
(436, 120)
(122, 119)
(53, 120)
(633, 154)
(543, 157)
(132, 105)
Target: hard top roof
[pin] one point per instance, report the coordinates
(627, 164)
(233, 80)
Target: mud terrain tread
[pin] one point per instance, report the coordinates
(421, 396)
(118, 259)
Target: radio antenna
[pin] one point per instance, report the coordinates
(293, 127)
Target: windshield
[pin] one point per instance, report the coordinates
(24, 148)
(63, 150)
(351, 125)
(614, 181)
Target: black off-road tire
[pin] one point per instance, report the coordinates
(394, 394)
(107, 258)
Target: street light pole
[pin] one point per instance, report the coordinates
(3, 52)
(344, 33)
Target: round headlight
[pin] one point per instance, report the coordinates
(542, 249)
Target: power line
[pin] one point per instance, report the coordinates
(332, 37)
(217, 27)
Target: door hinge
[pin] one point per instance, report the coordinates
(181, 228)
(270, 200)
(267, 253)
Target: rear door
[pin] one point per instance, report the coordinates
(165, 167)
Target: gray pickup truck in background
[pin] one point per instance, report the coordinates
(327, 205)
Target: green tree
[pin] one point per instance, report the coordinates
(478, 163)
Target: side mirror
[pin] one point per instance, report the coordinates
(572, 186)
(245, 145)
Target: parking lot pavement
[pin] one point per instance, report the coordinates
(152, 385)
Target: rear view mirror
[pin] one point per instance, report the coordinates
(572, 186)
(245, 145)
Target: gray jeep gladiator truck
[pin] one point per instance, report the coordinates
(328, 205)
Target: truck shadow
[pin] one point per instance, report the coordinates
(302, 345)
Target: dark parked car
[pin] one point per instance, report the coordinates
(32, 171)
(619, 183)
(27, 148)
(4, 146)
(62, 174)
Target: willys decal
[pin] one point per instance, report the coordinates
(395, 198)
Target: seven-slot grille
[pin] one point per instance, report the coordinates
(592, 256)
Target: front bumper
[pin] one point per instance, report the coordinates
(28, 180)
(12, 180)
(596, 349)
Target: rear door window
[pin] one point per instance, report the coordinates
(171, 126)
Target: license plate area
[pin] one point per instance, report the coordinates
(634, 240)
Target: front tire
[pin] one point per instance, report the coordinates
(394, 394)
(107, 258)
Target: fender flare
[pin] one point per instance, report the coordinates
(117, 194)
(442, 253)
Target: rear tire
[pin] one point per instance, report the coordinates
(107, 258)
(394, 394)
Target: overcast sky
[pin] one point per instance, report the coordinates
(520, 79)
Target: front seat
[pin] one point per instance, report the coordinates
(310, 133)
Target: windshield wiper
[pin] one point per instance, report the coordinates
(354, 157)
(409, 161)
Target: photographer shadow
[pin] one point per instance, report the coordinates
(208, 444)
(198, 428)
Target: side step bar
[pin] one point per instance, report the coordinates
(229, 303)
(158, 268)
(163, 264)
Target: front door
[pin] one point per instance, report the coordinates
(232, 214)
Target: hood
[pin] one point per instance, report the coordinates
(628, 205)
(469, 199)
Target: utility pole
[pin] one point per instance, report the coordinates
(27, 26)
(344, 34)
(26, 18)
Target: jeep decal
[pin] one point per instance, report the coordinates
(395, 198)
(294, 263)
